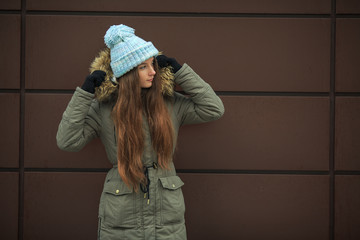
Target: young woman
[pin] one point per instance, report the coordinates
(128, 101)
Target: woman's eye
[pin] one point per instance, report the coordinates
(142, 67)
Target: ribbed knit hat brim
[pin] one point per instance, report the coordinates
(123, 63)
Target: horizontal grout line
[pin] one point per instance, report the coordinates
(200, 171)
(10, 12)
(221, 93)
(241, 93)
(180, 14)
(9, 169)
(281, 172)
(290, 94)
(67, 169)
(45, 91)
(10, 90)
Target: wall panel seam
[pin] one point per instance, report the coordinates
(205, 171)
(22, 122)
(10, 12)
(178, 14)
(220, 93)
(332, 122)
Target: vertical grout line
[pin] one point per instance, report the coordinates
(22, 121)
(332, 123)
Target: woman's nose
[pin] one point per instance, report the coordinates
(152, 71)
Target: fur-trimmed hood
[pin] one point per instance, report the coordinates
(108, 91)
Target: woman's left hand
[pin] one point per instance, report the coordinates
(164, 61)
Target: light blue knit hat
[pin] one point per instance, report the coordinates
(126, 49)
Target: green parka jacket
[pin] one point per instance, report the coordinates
(123, 213)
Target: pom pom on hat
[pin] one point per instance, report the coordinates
(118, 33)
(126, 49)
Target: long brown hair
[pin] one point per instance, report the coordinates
(132, 104)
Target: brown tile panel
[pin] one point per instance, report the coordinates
(257, 54)
(347, 207)
(347, 131)
(9, 128)
(10, 50)
(347, 6)
(211, 6)
(347, 55)
(10, 5)
(9, 205)
(256, 206)
(42, 117)
(246, 54)
(61, 205)
(277, 133)
(59, 50)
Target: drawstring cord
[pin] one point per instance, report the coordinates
(146, 188)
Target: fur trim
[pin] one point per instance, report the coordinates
(108, 91)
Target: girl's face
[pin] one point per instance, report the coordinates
(146, 73)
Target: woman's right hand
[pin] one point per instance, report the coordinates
(94, 80)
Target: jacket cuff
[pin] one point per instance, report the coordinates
(180, 72)
(82, 92)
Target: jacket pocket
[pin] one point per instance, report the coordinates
(172, 200)
(119, 205)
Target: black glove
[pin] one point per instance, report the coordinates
(164, 61)
(93, 80)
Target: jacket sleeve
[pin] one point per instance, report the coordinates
(202, 105)
(80, 122)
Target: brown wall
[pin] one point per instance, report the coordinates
(283, 162)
